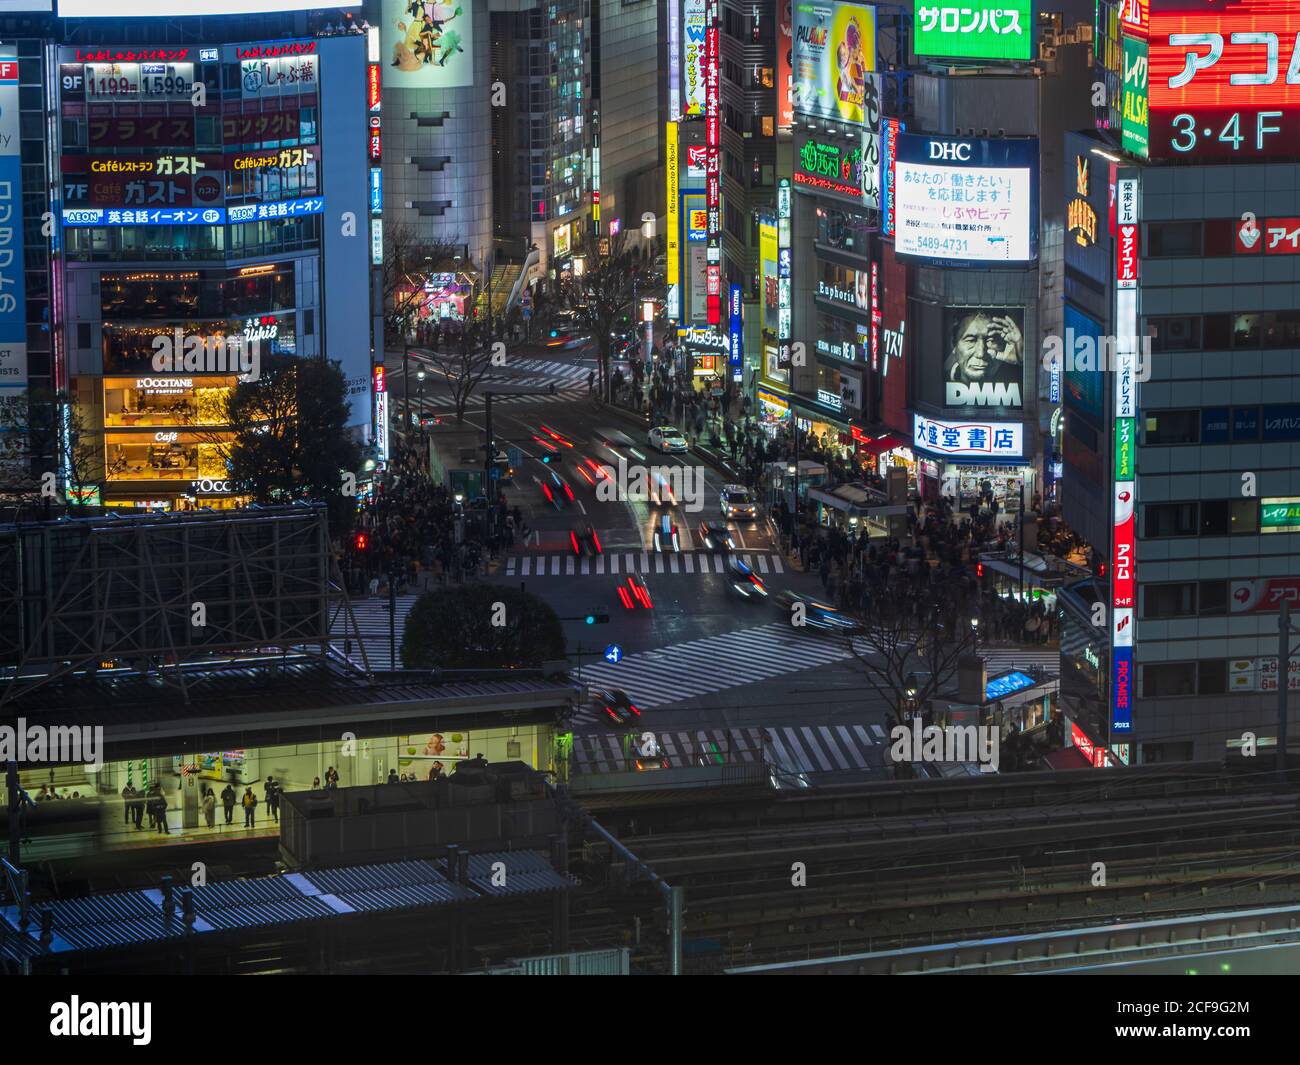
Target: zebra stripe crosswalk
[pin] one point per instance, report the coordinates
(1001, 659)
(713, 664)
(373, 628)
(621, 563)
(796, 749)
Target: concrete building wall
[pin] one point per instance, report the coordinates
(438, 151)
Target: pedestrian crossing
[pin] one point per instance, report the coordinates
(622, 563)
(1000, 659)
(711, 664)
(373, 626)
(793, 748)
(477, 403)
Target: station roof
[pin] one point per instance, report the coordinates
(134, 918)
(273, 697)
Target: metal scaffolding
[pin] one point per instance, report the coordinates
(153, 592)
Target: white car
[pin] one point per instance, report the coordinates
(667, 438)
(738, 502)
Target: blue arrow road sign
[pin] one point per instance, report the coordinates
(613, 653)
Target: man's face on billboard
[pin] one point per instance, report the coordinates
(975, 347)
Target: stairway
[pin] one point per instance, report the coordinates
(503, 282)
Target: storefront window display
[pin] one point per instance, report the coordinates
(157, 401)
(773, 411)
(168, 455)
(844, 230)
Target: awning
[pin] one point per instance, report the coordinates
(882, 443)
(1067, 758)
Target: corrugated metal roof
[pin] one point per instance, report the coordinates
(227, 690)
(99, 922)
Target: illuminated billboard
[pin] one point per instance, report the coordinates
(1223, 79)
(174, 8)
(828, 168)
(427, 45)
(694, 20)
(985, 364)
(13, 307)
(784, 50)
(834, 51)
(998, 441)
(966, 200)
(975, 29)
(1133, 107)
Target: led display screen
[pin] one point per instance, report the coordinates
(966, 200)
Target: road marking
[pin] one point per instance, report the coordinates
(613, 564)
(568, 567)
(690, 563)
(672, 564)
(600, 564)
(762, 563)
(527, 566)
(776, 564)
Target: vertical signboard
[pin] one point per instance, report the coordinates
(674, 60)
(713, 152)
(890, 129)
(871, 144)
(381, 413)
(13, 297)
(736, 344)
(1123, 576)
(783, 294)
(1126, 243)
(784, 48)
(694, 20)
(1133, 115)
(673, 217)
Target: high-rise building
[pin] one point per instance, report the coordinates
(437, 124)
(541, 176)
(629, 63)
(215, 187)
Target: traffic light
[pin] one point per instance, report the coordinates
(361, 541)
(551, 459)
(597, 619)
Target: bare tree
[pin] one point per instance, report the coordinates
(603, 298)
(408, 260)
(44, 435)
(463, 359)
(909, 659)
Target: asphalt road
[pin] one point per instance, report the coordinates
(703, 657)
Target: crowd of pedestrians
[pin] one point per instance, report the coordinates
(414, 532)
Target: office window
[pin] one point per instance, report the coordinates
(1168, 678)
(1213, 596)
(1175, 334)
(1212, 676)
(1173, 240)
(1216, 332)
(1169, 519)
(1245, 516)
(1169, 600)
(1173, 427)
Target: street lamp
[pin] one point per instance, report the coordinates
(419, 376)
(975, 629)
